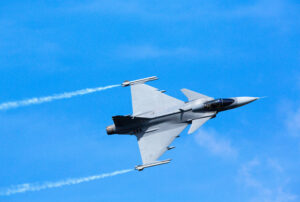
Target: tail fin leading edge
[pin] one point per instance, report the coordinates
(192, 95)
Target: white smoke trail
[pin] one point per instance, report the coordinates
(48, 185)
(39, 100)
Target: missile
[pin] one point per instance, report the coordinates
(171, 147)
(144, 80)
(141, 167)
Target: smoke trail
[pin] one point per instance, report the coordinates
(39, 100)
(48, 185)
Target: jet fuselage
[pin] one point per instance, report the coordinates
(190, 111)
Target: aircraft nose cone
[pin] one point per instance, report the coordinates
(245, 100)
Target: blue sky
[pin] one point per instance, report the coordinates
(222, 49)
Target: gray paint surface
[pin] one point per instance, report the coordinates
(158, 118)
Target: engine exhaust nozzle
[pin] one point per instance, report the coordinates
(111, 129)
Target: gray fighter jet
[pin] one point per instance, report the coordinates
(158, 119)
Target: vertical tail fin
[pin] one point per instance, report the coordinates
(192, 95)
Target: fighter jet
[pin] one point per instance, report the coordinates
(157, 118)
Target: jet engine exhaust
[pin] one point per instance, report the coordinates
(111, 129)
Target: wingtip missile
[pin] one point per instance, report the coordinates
(144, 80)
(141, 167)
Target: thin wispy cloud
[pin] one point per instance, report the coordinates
(293, 122)
(149, 52)
(279, 10)
(291, 117)
(265, 189)
(49, 185)
(288, 111)
(22, 45)
(214, 143)
(258, 9)
(104, 7)
(274, 164)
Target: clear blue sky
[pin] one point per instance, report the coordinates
(222, 49)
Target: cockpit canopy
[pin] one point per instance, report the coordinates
(218, 103)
